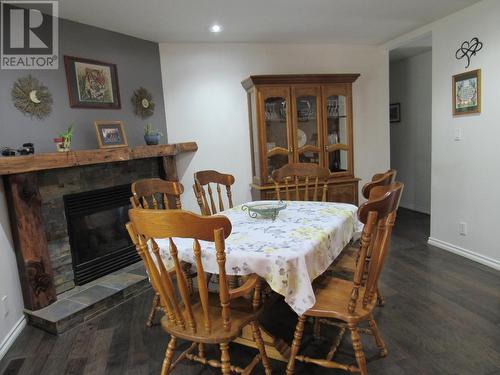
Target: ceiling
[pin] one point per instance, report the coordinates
(415, 47)
(285, 21)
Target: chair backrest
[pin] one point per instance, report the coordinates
(202, 180)
(379, 179)
(301, 176)
(378, 215)
(156, 193)
(146, 226)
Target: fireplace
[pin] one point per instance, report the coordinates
(98, 239)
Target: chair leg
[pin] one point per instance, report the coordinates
(380, 298)
(154, 307)
(316, 328)
(297, 338)
(201, 350)
(260, 344)
(224, 358)
(378, 338)
(169, 354)
(358, 349)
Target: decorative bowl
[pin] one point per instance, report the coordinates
(267, 210)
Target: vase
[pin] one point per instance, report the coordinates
(61, 144)
(152, 139)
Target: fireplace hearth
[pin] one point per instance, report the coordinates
(96, 226)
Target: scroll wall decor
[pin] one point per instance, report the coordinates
(468, 49)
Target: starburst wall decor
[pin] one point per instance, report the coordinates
(142, 100)
(31, 97)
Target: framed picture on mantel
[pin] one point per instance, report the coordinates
(92, 83)
(467, 93)
(110, 134)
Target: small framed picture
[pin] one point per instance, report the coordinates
(467, 93)
(110, 134)
(395, 112)
(92, 83)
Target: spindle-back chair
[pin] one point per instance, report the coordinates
(346, 261)
(204, 179)
(379, 179)
(349, 303)
(197, 316)
(290, 179)
(155, 193)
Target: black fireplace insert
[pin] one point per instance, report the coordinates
(98, 238)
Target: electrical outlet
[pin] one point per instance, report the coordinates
(5, 306)
(462, 228)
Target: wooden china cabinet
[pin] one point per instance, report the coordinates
(302, 118)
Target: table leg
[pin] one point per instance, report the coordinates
(276, 348)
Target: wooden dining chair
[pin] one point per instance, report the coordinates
(155, 193)
(379, 179)
(345, 263)
(350, 303)
(203, 180)
(293, 178)
(197, 315)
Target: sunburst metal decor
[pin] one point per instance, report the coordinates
(31, 97)
(142, 101)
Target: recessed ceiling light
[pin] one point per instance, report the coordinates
(215, 28)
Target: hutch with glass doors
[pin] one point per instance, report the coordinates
(302, 119)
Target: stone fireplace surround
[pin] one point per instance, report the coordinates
(54, 184)
(35, 186)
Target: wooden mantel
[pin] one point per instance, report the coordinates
(20, 175)
(54, 160)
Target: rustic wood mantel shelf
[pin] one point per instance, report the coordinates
(54, 160)
(20, 175)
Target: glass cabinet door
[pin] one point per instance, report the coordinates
(338, 143)
(307, 124)
(277, 132)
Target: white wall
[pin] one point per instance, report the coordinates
(465, 174)
(9, 281)
(411, 86)
(206, 103)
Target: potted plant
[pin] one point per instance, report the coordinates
(63, 141)
(152, 137)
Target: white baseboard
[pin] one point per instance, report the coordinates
(487, 261)
(12, 336)
(414, 207)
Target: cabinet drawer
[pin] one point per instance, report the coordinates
(343, 193)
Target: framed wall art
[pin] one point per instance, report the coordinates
(92, 83)
(467, 93)
(395, 112)
(110, 134)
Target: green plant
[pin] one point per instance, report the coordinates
(148, 130)
(67, 136)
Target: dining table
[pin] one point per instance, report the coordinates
(288, 253)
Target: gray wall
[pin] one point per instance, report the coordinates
(411, 85)
(138, 64)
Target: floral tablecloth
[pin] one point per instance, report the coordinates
(289, 253)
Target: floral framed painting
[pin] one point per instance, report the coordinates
(110, 134)
(467, 93)
(92, 83)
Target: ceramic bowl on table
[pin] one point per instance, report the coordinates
(264, 209)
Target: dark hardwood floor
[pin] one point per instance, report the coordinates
(442, 316)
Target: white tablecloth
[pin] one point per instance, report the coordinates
(289, 253)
